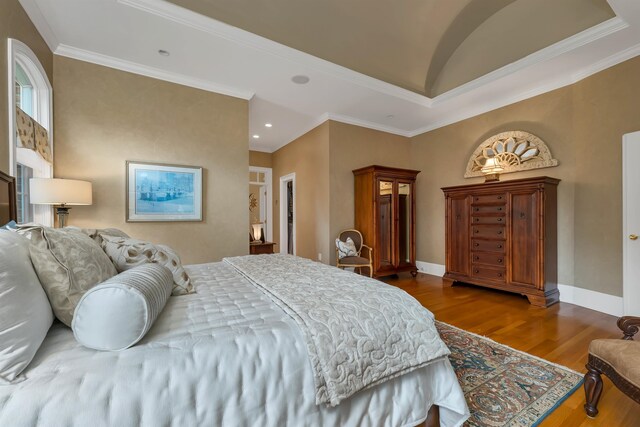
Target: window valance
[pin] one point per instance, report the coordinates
(32, 135)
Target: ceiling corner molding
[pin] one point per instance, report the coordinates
(608, 62)
(155, 73)
(41, 24)
(369, 125)
(587, 36)
(209, 25)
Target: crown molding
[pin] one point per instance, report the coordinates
(587, 36)
(367, 124)
(209, 25)
(607, 62)
(41, 24)
(155, 73)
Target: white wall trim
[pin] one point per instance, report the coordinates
(367, 124)
(598, 301)
(607, 62)
(155, 73)
(430, 268)
(37, 17)
(283, 212)
(209, 25)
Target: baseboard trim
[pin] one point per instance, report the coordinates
(598, 301)
(430, 268)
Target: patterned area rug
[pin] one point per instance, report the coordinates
(503, 386)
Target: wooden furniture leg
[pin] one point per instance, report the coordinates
(433, 417)
(592, 390)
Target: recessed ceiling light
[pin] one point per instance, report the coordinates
(256, 136)
(164, 52)
(390, 116)
(300, 79)
(268, 125)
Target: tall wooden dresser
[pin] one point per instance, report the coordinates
(503, 235)
(385, 212)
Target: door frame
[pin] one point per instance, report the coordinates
(629, 288)
(269, 208)
(283, 212)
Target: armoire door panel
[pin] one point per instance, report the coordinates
(458, 235)
(524, 238)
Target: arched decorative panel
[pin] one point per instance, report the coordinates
(516, 151)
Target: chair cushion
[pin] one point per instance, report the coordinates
(354, 260)
(622, 355)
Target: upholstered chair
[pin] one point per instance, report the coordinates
(357, 261)
(619, 360)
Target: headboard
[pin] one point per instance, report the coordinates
(8, 210)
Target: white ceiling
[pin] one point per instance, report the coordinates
(210, 55)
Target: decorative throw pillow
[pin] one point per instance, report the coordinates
(25, 313)
(347, 248)
(117, 313)
(96, 233)
(68, 264)
(127, 253)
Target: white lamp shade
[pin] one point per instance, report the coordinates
(56, 191)
(492, 165)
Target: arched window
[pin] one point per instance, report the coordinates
(33, 95)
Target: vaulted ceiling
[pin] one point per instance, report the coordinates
(425, 46)
(401, 66)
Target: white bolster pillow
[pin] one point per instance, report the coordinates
(117, 313)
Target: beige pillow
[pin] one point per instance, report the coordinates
(96, 233)
(68, 264)
(127, 253)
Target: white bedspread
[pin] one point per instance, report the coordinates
(225, 356)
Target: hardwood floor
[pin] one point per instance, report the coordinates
(560, 334)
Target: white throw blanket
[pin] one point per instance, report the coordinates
(359, 331)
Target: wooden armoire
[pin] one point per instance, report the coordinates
(503, 235)
(385, 212)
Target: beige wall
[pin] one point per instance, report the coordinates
(352, 147)
(583, 125)
(308, 158)
(14, 23)
(104, 117)
(260, 159)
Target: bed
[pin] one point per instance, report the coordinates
(226, 355)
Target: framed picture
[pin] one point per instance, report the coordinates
(158, 192)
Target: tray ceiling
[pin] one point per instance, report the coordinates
(425, 46)
(448, 42)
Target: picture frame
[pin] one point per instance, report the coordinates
(158, 192)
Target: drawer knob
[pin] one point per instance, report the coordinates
(477, 231)
(477, 258)
(499, 208)
(500, 260)
(499, 197)
(499, 219)
(476, 271)
(499, 246)
(476, 244)
(500, 232)
(499, 274)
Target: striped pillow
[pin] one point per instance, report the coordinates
(117, 313)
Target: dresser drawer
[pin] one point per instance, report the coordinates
(487, 245)
(488, 199)
(488, 231)
(499, 220)
(489, 273)
(499, 210)
(488, 258)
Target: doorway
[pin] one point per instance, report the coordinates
(260, 200)
(631, 223)
(288, 214)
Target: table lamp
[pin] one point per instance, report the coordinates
(60, 192)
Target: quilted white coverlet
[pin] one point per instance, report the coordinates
(359, 331)
(225, 356)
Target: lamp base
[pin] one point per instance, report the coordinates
(63, 213)
(492, 177)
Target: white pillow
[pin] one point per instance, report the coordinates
(25, 313)
(117, 313)
(347, 248)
